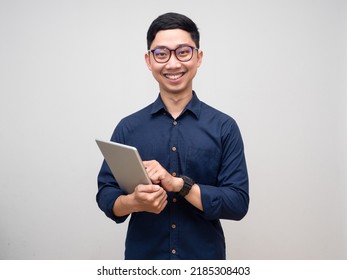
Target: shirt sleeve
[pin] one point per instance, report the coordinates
(230, 198)
(108, 192)
(108, 189)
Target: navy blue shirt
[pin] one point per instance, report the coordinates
(203, 144)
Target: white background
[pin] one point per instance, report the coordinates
(70, 70)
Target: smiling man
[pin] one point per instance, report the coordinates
(193, 153)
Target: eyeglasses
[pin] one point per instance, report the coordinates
(182, 53)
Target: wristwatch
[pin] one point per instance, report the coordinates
(188, 183)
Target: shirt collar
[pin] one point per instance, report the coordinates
(193, 106)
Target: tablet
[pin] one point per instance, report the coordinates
(125, 163)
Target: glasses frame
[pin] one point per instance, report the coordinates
(174, 50)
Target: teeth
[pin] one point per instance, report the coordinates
(174, 77)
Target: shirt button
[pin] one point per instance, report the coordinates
(173, 251)
(174, 199)
(174, 149)
(174, 123)
(173, 226)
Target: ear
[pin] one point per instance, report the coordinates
(148, 61)
(200, 55)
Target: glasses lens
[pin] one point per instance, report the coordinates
(161, 55)
(184, 53)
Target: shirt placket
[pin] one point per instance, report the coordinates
(174, 225)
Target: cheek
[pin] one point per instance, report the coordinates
(156, 70)
(193, 69)
(156, 74)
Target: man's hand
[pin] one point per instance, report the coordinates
(160, 176)
(148, 198)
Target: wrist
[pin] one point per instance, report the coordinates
(130, 203)
(187, 185)
(178, 184)
(124, 205)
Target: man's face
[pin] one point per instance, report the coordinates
(174, 76)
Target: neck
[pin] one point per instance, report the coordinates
(176, 103)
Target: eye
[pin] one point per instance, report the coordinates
(161, 53)
(184, 51)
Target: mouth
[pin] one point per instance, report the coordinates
(174, 76)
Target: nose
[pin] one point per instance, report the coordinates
(173, 61)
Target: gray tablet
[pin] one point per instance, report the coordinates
(125, 164)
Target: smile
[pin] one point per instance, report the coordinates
(173, 76)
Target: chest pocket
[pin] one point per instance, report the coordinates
(203, 164)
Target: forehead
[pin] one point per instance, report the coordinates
(172, 38)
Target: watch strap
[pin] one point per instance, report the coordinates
(187, 185)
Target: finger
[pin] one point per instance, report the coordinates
(160, 197)
(163, 197)
(160, 204)
(147, 188)
(163, 205)
(151, 170)
(152, 166)
(149, 163)
(146, 163)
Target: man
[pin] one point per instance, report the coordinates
(193, 154)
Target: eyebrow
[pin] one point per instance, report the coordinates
(177, 46)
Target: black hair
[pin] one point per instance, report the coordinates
(173, 21)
